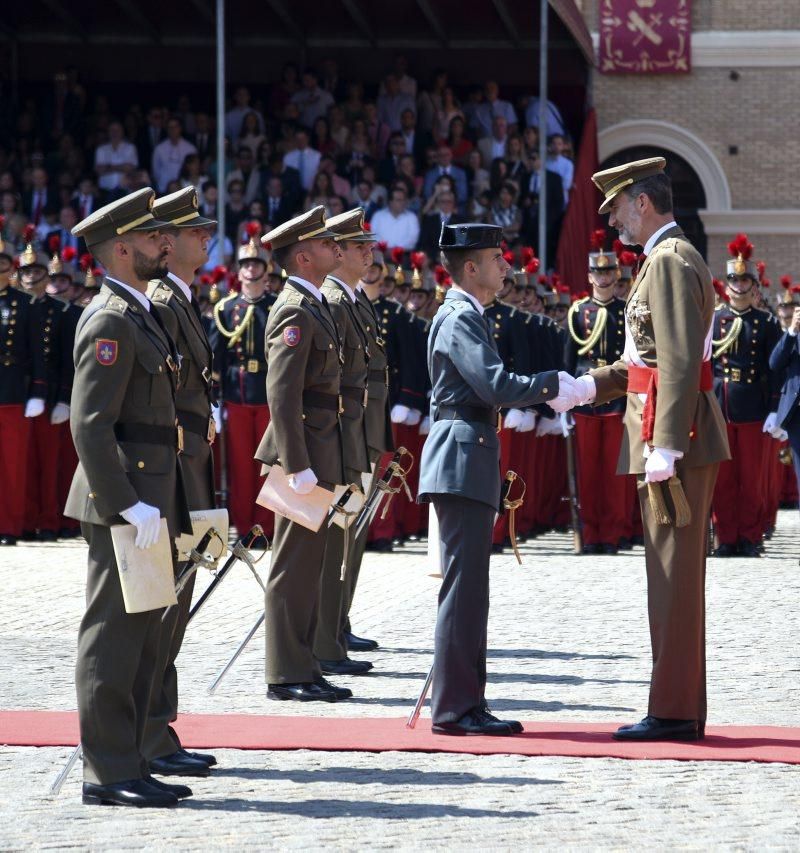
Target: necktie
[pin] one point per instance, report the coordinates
(196, 308)
(37, 210)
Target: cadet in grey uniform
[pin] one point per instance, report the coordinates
(460, 470)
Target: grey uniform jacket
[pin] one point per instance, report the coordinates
(462, 457)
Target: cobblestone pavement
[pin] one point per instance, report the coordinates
(568, 641)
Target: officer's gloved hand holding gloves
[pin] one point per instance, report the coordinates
(60, 414)
(216, 414)
(573, 392)
(772, 426)
(34, 407)
(413, 417)
(548, 426)
(660, 464)
(528, 421)
(147, 521)
(513, 419)
(303, 482)
(399, 413)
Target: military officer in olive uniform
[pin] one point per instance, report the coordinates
(172, 298)
(304, 350)
(596, 337)
(460, 471)
(123, 424)
(673, 428)
(354, 246)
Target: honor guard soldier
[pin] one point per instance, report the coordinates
(240, 360)
(748, 394)
(23, 389)
(42, 510)
(596, 337)
(461, 474)
(123, 421)
(354, 247)
(304, 351)
(172, 298)
(674, 436)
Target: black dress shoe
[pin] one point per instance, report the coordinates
(591, 549)
(516, 727)
(7, 539)
(474, 722)
(497, 547)
(624, 544)
(28, 536)
(179, 764)
(135, 792)
(748, 549)
(69, 532)
(380, 546)
(345, 666)
(359, 644)
(637, 540)
(305, 692)
(46, 536)
(725, 550)
(610, 549)
(338, 692)
(205, 757)
(655, 728)
(179, 791)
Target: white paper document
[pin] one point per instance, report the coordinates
(145, 574)
(354, 504)
(308, 510)
(202, 521)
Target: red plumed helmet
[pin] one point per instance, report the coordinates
(86, 262)
(527, 255)
(532, 266)
(219, 273)
(618, 246)
(627, 258)
(2, 221)
(508, 257)
(786, 281)
(440, 274)
(542, 279)
(761, 268)
(205, 279)
(740, 247)
(382, 246)
(53, 244)
(69, 254)
(397, 255)
(28, 233)
(253, 228)
(597, 239)
(418, 260)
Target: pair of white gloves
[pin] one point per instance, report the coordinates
(404, 415)
(35, 407)
(772, 426)
(659, 461)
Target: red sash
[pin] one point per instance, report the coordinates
(644, 380)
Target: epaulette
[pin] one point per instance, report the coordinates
(290, 297)
(161, 293)
(115, 303)
(334, 294)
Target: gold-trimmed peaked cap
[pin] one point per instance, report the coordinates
(130, 213)
(310, 225)
(181, 209)
(350, 226)
(612, 181)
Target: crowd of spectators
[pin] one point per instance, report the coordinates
(413, 156)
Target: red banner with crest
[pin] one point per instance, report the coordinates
(645, 36)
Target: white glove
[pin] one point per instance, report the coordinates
(425, 425)
(60, 414)
(413, 417)
(147, 521)
(528, 421)
(34, 407)
(548, 426)
(780, 434)
(567, 397)
(303, 482)
(770, 423)
(586, 389)
(660, 465)
(399, 413)
(513, 419)
(216, 414)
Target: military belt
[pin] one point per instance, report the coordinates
(150, 434)
(322, 400)
(379, 375)
(354, 393)
(475, 414)
(204, 427)
(253, 365)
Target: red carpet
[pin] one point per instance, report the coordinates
(381, 734)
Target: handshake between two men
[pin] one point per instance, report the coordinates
(581, 391)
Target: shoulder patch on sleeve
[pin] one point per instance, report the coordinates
(106, 351)
(291, 336)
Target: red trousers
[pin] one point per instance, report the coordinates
(526, 452)
(773, 482)
(633, 521)
(411, 517)
(245, 427)
(789, 493)
(67, 463)
(14, 432)
(604, 497)
(740, 493)
(550, 482)
(42, 510)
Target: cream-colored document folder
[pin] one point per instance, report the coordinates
(202, 521)
(308, 510)
(145, 574)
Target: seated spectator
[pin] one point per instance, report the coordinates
(336, 205)
(531, 207)
(416, 141)
(321, 137)
(115, 158)
(505, 213)
(281, 93)
(498, 175)
(477, 176)
(339, 129)
(444, 166)
(353, 107)
(320, 192)
(169, 155)
(443, 213)
(331, 80)
(312, 101)
(352, 163)
(86, 199)
(39, 198)
(204, 139)
(341, 186)
(183, 111)
(429, 104)
(250, 136)
(290, 178)
(407, 173)
(278, 206)
(555, 123)
(494, 146)
(393, 101)
(234, 118)
(192, 175)
(246, 172)
(303, 158)
(376, 129)
(457, 140)
(387, 167)
(406, 84)
(484, 114)
(517, 163)
(558, 163)
(530, 139)
(379, 192)
(395, 224)
(67, 220)
(209, 194)
(444, 183)
(362, 197)
(235, 208)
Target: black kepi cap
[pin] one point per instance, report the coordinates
(470, 236)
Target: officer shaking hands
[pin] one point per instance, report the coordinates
(460, 470)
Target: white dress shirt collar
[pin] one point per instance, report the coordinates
(648, 246)
(185, 289)
(471, 298)
(141, 298)
(348, 290)
(307, 285)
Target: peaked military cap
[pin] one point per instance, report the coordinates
(130, 213)
(350, 226)
(181, 210)
(470, 236)
(612, 181)
(308, 226)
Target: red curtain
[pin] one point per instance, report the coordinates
(581, 217)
